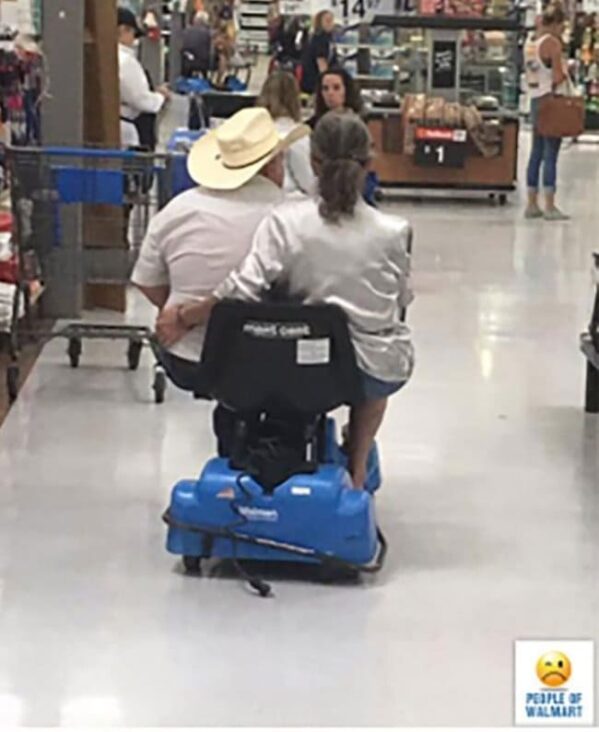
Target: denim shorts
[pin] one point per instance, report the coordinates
(377, 389)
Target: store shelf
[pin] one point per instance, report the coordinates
(447, 22)
(373, 77)
(258, 11)
(253, 24)
(370, 47)
(489, 64)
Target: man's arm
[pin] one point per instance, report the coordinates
(156, 295)
(150, 274)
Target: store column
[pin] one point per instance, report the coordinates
(62, 124)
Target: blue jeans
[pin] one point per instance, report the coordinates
(545, 151)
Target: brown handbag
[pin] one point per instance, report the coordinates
(561, 116)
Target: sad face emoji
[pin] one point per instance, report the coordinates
(554, 668)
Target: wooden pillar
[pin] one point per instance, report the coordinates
(102, 225)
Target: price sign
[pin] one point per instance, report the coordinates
(355, 11)
(440, 147)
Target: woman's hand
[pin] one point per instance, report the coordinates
(175, 321)
(170, 327)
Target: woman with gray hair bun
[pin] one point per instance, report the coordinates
(335, 248)
(341, 151)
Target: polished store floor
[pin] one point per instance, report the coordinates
(490, 503)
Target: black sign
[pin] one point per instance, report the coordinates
(444, 63)
(406, 7)
(440, 154)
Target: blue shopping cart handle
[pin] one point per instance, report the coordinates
(86, 152)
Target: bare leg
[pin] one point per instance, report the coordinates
(364, 422)
(533, 198)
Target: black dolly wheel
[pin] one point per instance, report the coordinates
(134, 354)
(74, 350)
(502, 199)
(12, 382)
(192, 565)
(159, 385)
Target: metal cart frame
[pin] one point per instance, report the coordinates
(45, 182)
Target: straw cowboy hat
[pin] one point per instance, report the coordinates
(228, 157)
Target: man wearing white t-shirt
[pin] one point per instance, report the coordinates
(205, 233)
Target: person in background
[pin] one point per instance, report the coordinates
(281, 96)
(196, 53)
(320, 52)
(334, 248)
(289, 43)
(224, 46)
(137, 97)
(193, 7)
(545, 73)
(201, 235)
(336, 91)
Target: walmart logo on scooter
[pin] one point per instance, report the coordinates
(258, 514)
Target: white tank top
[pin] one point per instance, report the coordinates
(539, 78)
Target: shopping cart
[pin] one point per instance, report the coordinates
(80, 215)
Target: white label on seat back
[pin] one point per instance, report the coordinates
(313, 351)
(300, 490)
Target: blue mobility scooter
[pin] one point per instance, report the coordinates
(279, 489)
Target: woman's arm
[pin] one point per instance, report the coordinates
(323, 64)
(299, 167)
(266, 262)
(322, 52)
(552, 56)
(401, 261)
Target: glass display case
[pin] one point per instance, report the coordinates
(398, 59)
(452, 120)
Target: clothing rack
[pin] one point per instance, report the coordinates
(21, 85)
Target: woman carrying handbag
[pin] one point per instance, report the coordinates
(553, 117)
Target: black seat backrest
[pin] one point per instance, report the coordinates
(280, 357)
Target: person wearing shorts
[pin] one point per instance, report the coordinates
(333, 248)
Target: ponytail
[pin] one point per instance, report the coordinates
(341, 146)
(341, 183)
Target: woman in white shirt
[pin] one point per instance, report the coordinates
(280, 96)
(334, 248)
